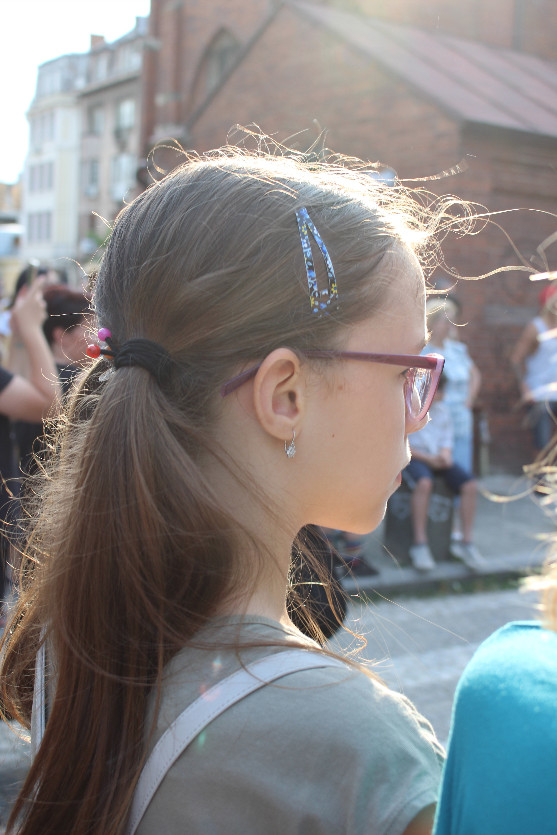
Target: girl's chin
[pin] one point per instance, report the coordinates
(372, 523)
(395, 484)
(373, 517)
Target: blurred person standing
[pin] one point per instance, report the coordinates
(29, 275)
(65, 328)
(534, 360)
(15, 356)
(20, 398)
(462, 375)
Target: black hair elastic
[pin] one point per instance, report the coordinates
(136, 351)
(147, 354)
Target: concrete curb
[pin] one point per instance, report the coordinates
(444, 577)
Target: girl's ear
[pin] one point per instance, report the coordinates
(279, 394)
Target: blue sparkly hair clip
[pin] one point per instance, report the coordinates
(319, 300)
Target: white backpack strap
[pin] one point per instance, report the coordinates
(38, 711)
(215, 701)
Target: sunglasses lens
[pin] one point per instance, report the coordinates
(419, 386)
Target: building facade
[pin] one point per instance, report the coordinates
(51, 170)
(110, 113)
(11, 233)
(83, 150)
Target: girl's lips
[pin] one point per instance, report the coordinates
(398, 479)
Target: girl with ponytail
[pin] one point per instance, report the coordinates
(258, 370)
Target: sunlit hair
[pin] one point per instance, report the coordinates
(131, 552)
(66, 308)
(544, 472)
(438, 307)
(549, 596)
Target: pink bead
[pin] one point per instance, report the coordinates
(104, 334)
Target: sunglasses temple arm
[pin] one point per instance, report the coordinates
(239, 380)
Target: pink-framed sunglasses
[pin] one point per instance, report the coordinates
(420, 386)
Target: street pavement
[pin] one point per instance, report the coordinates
(420, 644)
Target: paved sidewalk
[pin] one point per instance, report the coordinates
(511, 530)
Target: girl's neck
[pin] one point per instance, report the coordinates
(267, 595)
(259, 604)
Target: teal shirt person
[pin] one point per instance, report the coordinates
(501, 770)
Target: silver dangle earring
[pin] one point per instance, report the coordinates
(290, 448)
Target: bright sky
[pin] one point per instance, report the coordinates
(35, 31)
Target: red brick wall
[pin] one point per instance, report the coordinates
(181, 31)
(317, 77)
(528, 25)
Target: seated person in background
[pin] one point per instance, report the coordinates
(432, 455)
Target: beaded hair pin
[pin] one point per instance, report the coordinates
(94, 351)
(319, 300)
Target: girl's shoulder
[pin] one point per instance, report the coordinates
(352, 707)
(324, 742)
(518, 660)
(503, 741)
(375, 710)
(517, 638)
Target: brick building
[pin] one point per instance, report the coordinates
(417, 84)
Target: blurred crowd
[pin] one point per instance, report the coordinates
(43, 339)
